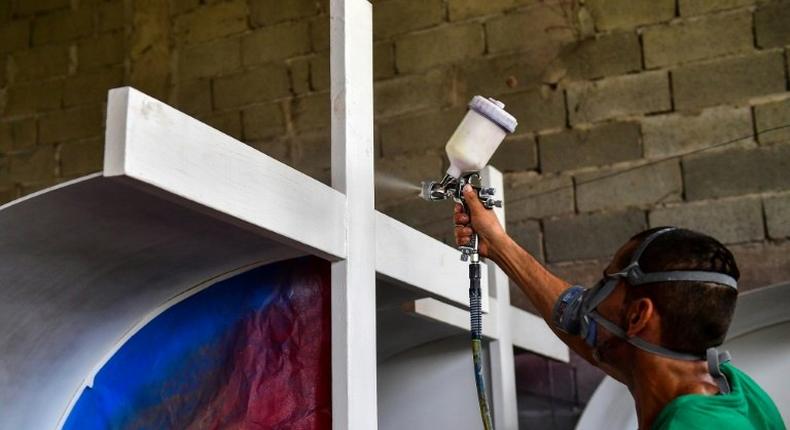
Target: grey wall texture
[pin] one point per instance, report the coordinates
(610, 95)
(625, 106)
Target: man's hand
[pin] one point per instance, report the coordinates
(484, 222)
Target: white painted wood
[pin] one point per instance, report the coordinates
(503, 371)
(410, 257)
(436, 310)
(154, 144)
(111, 253)
(157, 145)
(354, 367)
(430, 387)
(157, 311)
(531, 332)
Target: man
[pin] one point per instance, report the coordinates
(653, 322)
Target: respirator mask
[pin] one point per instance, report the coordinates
(575, 312)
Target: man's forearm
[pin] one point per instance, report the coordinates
(541, 287)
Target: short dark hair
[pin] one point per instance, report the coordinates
(694, 315)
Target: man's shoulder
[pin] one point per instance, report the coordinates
(693, 412)
(746, 407)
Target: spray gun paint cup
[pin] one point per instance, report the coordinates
(478, 136)
(471, 146)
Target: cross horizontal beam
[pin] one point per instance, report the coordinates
(172, 154)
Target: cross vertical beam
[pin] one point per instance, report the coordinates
(353, 279)
(503, 371)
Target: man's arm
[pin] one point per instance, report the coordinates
(542, 287)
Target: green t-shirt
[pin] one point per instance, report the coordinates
(746, 407)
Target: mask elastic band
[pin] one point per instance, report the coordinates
(712, 355)
(715, 358)
(641, 343)
(637, 277)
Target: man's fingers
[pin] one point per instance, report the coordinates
(471, 198)
(461, 218)
(462, 230)
(458, 208)
(463, 235)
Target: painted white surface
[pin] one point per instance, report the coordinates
(277, 201)
(444, 313)
(80, 266)
(353, 279)
(503, 370)
(150, 316)
(531, 332)
(155, 144)
(759, 341)
(410, 257)
(765, 356)
(430, 387)
(162, 157)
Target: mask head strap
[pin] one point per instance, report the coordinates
(635, 276)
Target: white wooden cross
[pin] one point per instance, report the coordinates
(168, 152)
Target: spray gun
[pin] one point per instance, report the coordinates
(452, 188)
(470, 147)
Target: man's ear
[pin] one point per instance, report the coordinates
(640, 312)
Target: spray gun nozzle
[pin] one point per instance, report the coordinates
(427, 190)
(439, 190)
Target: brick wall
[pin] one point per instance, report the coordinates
(56, 63)
(609, 93)
(646, 83)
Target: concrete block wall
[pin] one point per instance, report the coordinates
(57, 60)
(633, 113)
(610, 95)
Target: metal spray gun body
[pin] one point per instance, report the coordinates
(484, 127)
(452, 188)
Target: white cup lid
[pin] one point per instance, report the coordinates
(495, 111)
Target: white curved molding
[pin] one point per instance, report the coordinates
(140, 324)
(80, 265)
(50, 189)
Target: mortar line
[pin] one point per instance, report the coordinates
(649, 163)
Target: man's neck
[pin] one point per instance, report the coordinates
(657, 381)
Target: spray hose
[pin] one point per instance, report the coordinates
(451, 187)
(476, 315)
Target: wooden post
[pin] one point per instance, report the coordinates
(353, 279)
